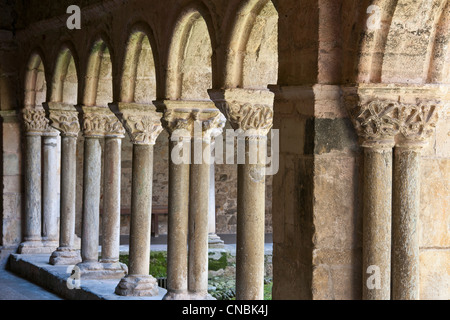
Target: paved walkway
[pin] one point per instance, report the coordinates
(13, 287)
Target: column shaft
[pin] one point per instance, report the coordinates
(405, 238)
(141, 209)
(91, 200)
(50, 192)
(67, 254)
(250, 228)
(377, 223)
(177, 251)
(68, 191)
(139, 282)
(198, 221)
(33, 191)
(111, 203)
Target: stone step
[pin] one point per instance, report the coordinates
(36, 269)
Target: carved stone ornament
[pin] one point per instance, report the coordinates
(247, 117)
(143, 129)
(102, 123)
(209, 122)
(66, 122)
(380, 119)
(35, 121)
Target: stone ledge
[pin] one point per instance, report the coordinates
(36, 269)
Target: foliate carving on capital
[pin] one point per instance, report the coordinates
(35, 121)
(143, 129)
(210, 123)
(66, 122)
(381, 119)
(247, 116)
(102, 124)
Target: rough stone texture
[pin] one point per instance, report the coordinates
(327, 43)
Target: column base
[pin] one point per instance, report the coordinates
(97, 270)
(34, 247)
(53, 244)
(137, 286)
(215, 242)
(65, 256)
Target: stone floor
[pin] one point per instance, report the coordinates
(14, 287)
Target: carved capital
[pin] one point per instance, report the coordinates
(35, 121)
(101, 122)
(383, 120)
(66, 122)
(248, 110)
(142, 122)
(207, 122)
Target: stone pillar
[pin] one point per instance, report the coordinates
(111, 201)
(97, 123)
(214, 240)
(406, 198)
(35, 125)
(189, 178)
(50, 190)
(200, 171)
(143, 126)
(250, 112)
(377, 201)
(374, 125)
(65, 119)
(381, 124)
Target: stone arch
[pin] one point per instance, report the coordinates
(35, 81)
(399, 50)
(193, 27)
(139, 71)
(65, 78)
(246, 39)
(439, 71)
(99, 84)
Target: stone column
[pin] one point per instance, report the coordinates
(377, 201)
(65, 119)
(50, 190)
(111, 200)
(417, 123)
(177, 233)
(35, 124)
(143, 126)
(375, 125)
(214, 240)
(250, 112)
(96, 123)
(206, 124)
(189, 178)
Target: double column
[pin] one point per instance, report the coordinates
(99, 123)
(64, 118)
(250, 113)
(41, 228)
(392, 194)
(143, 125)
(191, 128)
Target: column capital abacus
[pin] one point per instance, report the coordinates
(99, 122)
(250, 111)
(142, 122)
